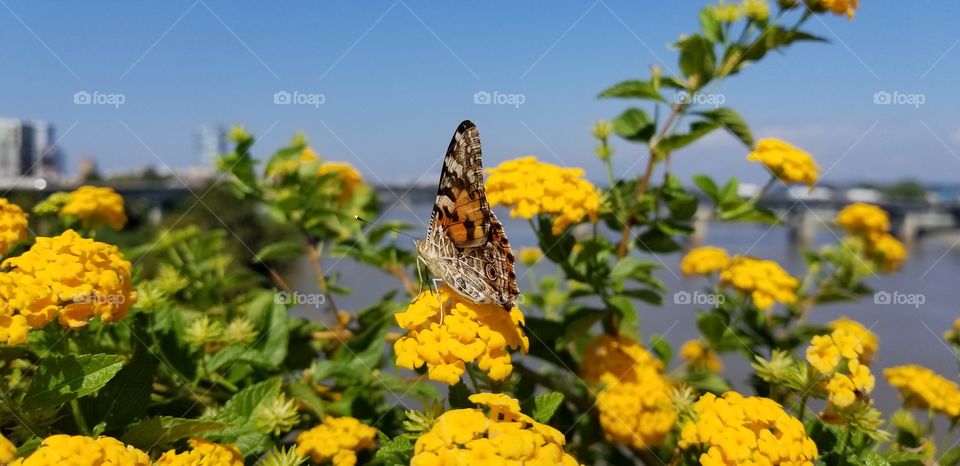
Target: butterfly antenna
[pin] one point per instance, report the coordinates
(363, 220)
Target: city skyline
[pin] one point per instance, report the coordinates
(381, 87)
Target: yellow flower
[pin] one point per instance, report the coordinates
(841, 7)
(867, 339)
(888, 251)
(634, 398)
(8, 451)
(618, 358)
(530, 256)
(704, 261)
(822, 354)
(860, 218)
(922, 388)
(700, 356)
(338, 440)
(788, 163)
(726, 12)
(470, 332)
(94, 206)
(758, 10)
(62, 450)
(738, 430)
(530, 187)
(13, 225)
(765, 281)
(502, 436)
(203, 453)
(348, 177)
(68, 277)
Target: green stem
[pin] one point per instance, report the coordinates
(75, 403)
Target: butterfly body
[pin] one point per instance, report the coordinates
(466, 246)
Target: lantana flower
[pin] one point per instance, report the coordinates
(337, 439)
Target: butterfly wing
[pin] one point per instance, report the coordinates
(461, 208)
(481, 268)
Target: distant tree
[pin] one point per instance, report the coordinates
(906, 190)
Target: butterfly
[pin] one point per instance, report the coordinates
(465, 245)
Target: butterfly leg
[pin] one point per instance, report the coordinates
(419, 278)
(436, 287)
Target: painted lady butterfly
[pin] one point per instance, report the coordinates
(465, 244)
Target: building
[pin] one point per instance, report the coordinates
(211, 143)
(27, 148)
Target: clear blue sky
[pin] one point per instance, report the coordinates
(398, 77)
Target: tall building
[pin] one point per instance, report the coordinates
(27, 149)
(211, 143)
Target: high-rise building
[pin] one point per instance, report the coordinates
(27, 149)
(211, 143)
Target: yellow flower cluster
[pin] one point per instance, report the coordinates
(337, 440)
(840, 355)
(701, 357)
(738, 430)
(765, 281)
(922, 388)
(704, 261)
(726, 12)
(788, 163)
(8, 451)
(530, 256)
(500, 437)
(13, 225)
(203, 453)
(59, 450)
(349, 177)
(860, 218)
(469, 332)
(868, 340)
(67, 276)
(841, 7)
(531, 188)
(94, 206)
(756, 9)
(872, 225)
(634, 398)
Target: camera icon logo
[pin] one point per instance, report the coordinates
(682, 98)
(282, 297)
(82, 98)
(882, 98)
(482, 98)
(882, 297)
(282, 98)
(682, 297)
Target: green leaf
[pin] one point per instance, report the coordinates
(626, 311)
(634, 125)
(126, 397)
(395, 451)
(712, 325)
(706, 382)
(629, 267)
(655, 240)
(697, 60)
(712, 29)
(239, 408)
(459, 396)
(280, 250)
(732, 122)
(708, 186)
(545, 405)
(730, 194)
(64, 378)
(698, 129)
(158, 431)
(661, 348)
(633, 89)
(305, 394)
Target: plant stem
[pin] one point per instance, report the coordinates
(314, 252)
(75, 403)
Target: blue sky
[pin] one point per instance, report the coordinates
(398, 76)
